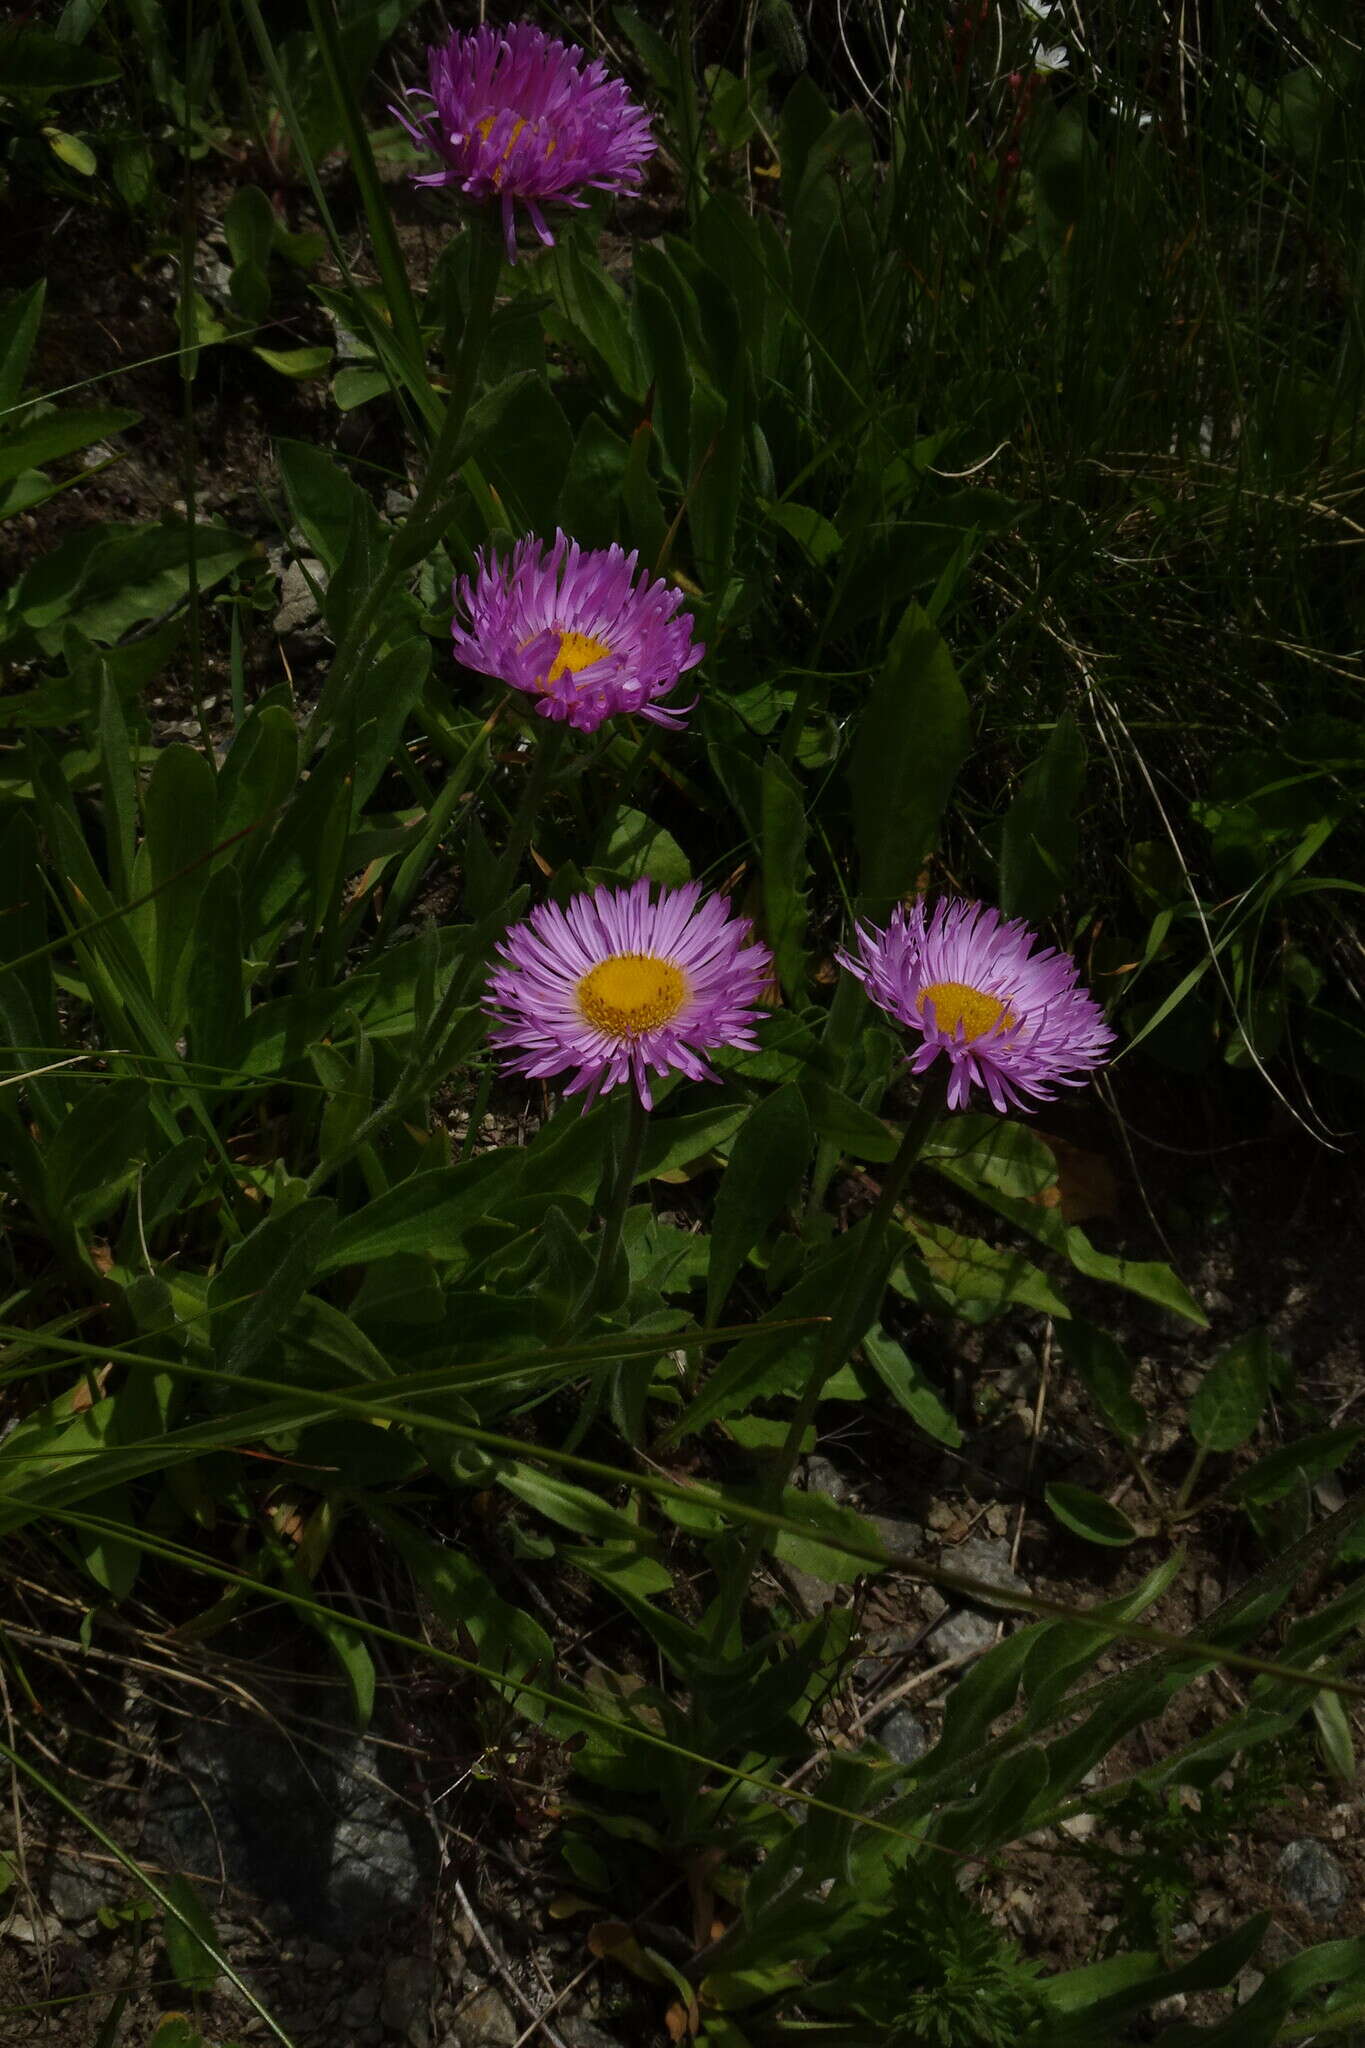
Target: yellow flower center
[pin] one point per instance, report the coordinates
(576, 651)
(956, 1005)
(485, 128)
(631, 993)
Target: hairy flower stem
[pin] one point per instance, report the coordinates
(848, 1319)
(549, 742)
(614, 1217)
(430, 512)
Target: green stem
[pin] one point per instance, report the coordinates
(614, 1219)
(549, 741)
(1196, 1467)
(846, 1323)
(441, 810)
(478, 1111)
(794, 730)
(427, 519)
(189, 364)
(841, 1026)
(625, 787)
(689, 113)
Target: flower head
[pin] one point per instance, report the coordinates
(577, 630)
(1008, 1018)
(516, 115)
(616, 984)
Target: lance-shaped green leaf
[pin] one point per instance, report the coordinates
(1090, 1516)
(262, 1279)
(179, 807)
(761, 1180)
(1105, 1369)
(786, 871)
(1232, 1394)
(912, 739)
(92, 1156)
(1038, 844)
(430, 1212)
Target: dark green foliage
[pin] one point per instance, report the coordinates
(932, 1971)
(1006, 447)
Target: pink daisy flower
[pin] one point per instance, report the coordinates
(617, 984)
(516, 115)
(576, 629)
(1008, 1018)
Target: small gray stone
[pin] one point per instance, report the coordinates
(33, 1933)
(581, 2033)
(408, 1984)
(902, 1539)
(822, 1477)
(319, 1838)
(986, 1558)
(963, 1635)
(903, 1736)
(76, 1892)
(298, 606)
(881, 1653)
(350, 347)
(1312, 1878)
(813, 1595)
(361, 2005)
(486, 2022)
